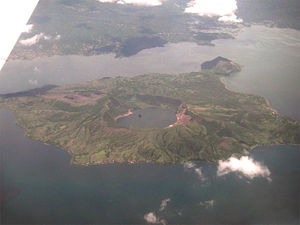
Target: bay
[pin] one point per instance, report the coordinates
(40, 185)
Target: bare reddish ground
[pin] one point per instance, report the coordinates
(69, 143)
(182, 118)
(200, 108)
(106, 105)
(123, 115)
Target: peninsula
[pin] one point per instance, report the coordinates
(212, 122)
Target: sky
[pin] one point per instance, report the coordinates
(14, 15)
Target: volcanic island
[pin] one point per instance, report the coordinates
(210, 122)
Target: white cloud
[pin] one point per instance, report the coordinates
(208, 204)
(141, 2)
(224, 9)
(135, 2)
(151, 218)
(245, 166)
(189, 165)
(57, 37)
(230, 18)
(36, 38)
(164, 204)
(33, 40)
(47, 37)
(36, 69)
(14, 15)
(28, 28)
(104, 1)
(198, 171)
(33, 82)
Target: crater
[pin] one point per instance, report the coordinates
(153, 117)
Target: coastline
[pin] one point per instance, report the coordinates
(267, 101)
(116, 161)
(259, 146)
(180, 117)
(269, 107)
(133, 162)
(86, 52)
(123, 115)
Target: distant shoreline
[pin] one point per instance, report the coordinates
(268, 103)
(259, 146)
(123, 115)
(269, 106)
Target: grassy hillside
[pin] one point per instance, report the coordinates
(216, 122)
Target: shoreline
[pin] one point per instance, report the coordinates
(234, 33)
(133, 162)
(267, 101)
(259, 146)
(115, 161)
(181, 117)
(269, 106)
(123, 115)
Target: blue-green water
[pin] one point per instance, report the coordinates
(149, 118)
(42, 187)
(53, 191)
(270, 57)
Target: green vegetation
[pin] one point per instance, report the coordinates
(221, 66)
(216, 122)
(89, 27)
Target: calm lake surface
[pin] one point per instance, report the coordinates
(42, 187)
(270, 57)
(149, 118)
(53, 191)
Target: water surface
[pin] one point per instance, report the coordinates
(270, 57)
(47, 189)
(149, 118)
(53, 191)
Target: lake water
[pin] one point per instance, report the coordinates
(270, 57)
(53, 191)
(149, 118)
(42, 187)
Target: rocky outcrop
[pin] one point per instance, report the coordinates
(221, 66)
